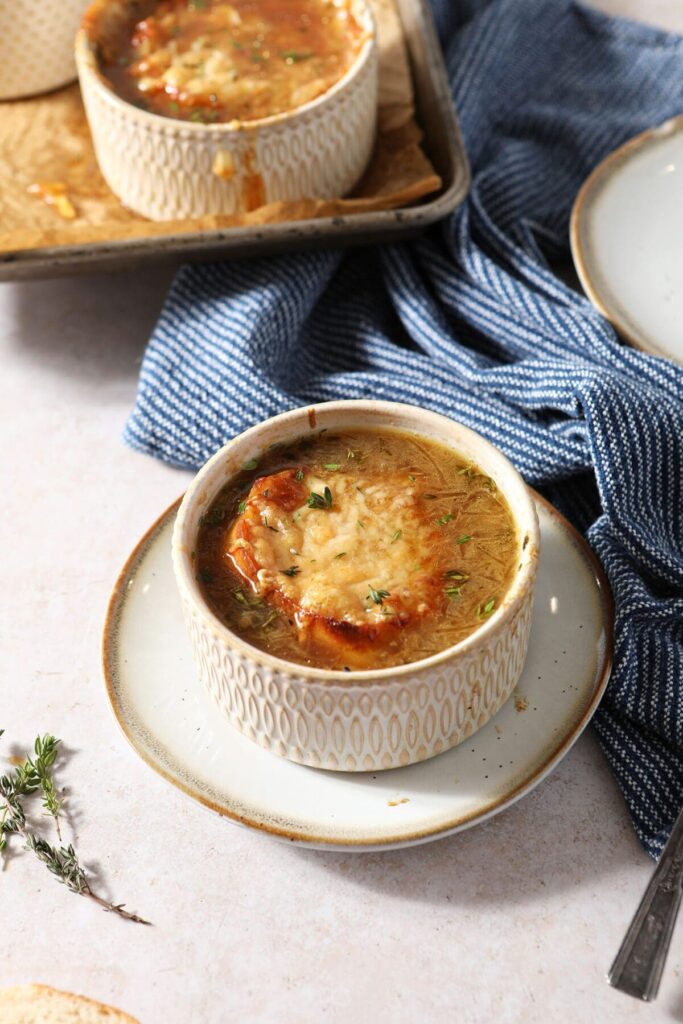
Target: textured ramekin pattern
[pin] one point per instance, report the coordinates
(163, 168)
(362, 728)
(37, 45)
(360, 721)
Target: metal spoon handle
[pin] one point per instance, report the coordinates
(639, 963)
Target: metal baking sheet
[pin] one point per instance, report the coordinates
(442, 142)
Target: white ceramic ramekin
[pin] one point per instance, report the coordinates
(370, 720)
(37, 45)
(166, 169)
(359, 721)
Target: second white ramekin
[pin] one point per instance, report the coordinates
(165, 168)
(37, 45)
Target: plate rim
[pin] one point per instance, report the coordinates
(115, 607)
(580, 216)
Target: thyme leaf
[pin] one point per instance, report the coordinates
(299, 475)
(464, 539)
(293, 56)
(445, 519)
(323, 500)
(486, 609)
(250, 464)
(213, 517)
(332, 465)
(397, 536)
(378, 595)
(293, 570)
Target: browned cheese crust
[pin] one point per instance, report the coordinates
(349, 575)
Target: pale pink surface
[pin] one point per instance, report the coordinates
(514, 922)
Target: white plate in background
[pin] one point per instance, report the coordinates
(627, 239)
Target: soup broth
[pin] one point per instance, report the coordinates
(212, 61)
(356, 550)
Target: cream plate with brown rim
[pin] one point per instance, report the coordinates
(170, 721)
(627, 239)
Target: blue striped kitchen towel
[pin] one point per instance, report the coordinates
(471, 321)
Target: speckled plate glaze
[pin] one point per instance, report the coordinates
(627, 239)
(172, 724)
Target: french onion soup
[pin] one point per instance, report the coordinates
(212, 61)
(356, 550)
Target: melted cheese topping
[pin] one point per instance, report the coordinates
(408, 552)
(361, 561)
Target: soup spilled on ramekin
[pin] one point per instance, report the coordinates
(356, 549)
(212, 61)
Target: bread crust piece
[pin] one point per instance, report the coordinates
(349, 574)
(41, 1004)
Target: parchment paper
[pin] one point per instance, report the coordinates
(46, 139)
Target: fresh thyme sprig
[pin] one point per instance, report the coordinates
(32, 775)
(45, 749)
(378, 595)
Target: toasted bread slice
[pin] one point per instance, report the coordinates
(349, 566)
(40, 1004)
